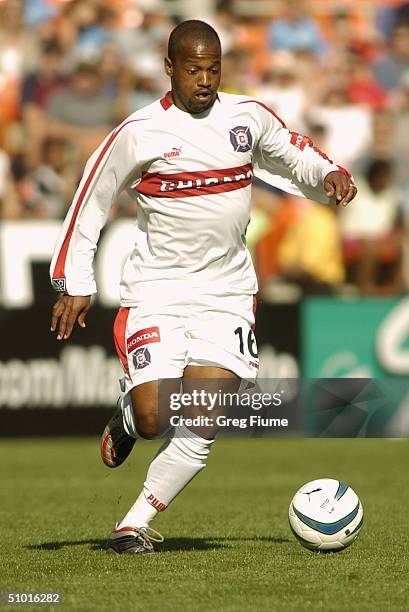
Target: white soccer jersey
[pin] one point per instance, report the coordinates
(191, 176)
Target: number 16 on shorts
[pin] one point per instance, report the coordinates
(247, 345)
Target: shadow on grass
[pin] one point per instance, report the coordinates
(170, 544)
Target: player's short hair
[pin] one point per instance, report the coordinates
(192, 30)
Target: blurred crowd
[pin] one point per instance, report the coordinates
(336, 70)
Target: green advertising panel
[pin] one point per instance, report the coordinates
(355, 338)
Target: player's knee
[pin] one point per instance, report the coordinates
(145, 408)
(147, 426)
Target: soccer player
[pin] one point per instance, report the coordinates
(188, 286)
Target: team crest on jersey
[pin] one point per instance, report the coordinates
(141, 358)
(241, 138)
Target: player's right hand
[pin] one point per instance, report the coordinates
(67, 310)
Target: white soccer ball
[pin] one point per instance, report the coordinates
(326, 514)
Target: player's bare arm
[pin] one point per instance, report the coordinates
(341, 185)
(66, 311)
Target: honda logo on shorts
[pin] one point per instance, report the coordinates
(142, 337)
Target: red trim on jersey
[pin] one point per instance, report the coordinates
(321, 153)
(300, 141)
(120, 336)
(59, 269)
(166, 101)
(190, 184)
(266, 108)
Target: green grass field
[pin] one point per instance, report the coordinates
(228, 545)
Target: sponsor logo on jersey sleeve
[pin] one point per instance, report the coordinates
(241, 138)
(142, 337)
(58, 284)
(141, 358)
(299, 141)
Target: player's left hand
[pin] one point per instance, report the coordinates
(339, 184)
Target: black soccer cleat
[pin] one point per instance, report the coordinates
(116, 444)
(133, 540)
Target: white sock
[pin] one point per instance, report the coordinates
(128, 416)
(175, 465)
(140, 514)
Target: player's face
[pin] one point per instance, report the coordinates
(195, 76)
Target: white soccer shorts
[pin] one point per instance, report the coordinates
(158, 346)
